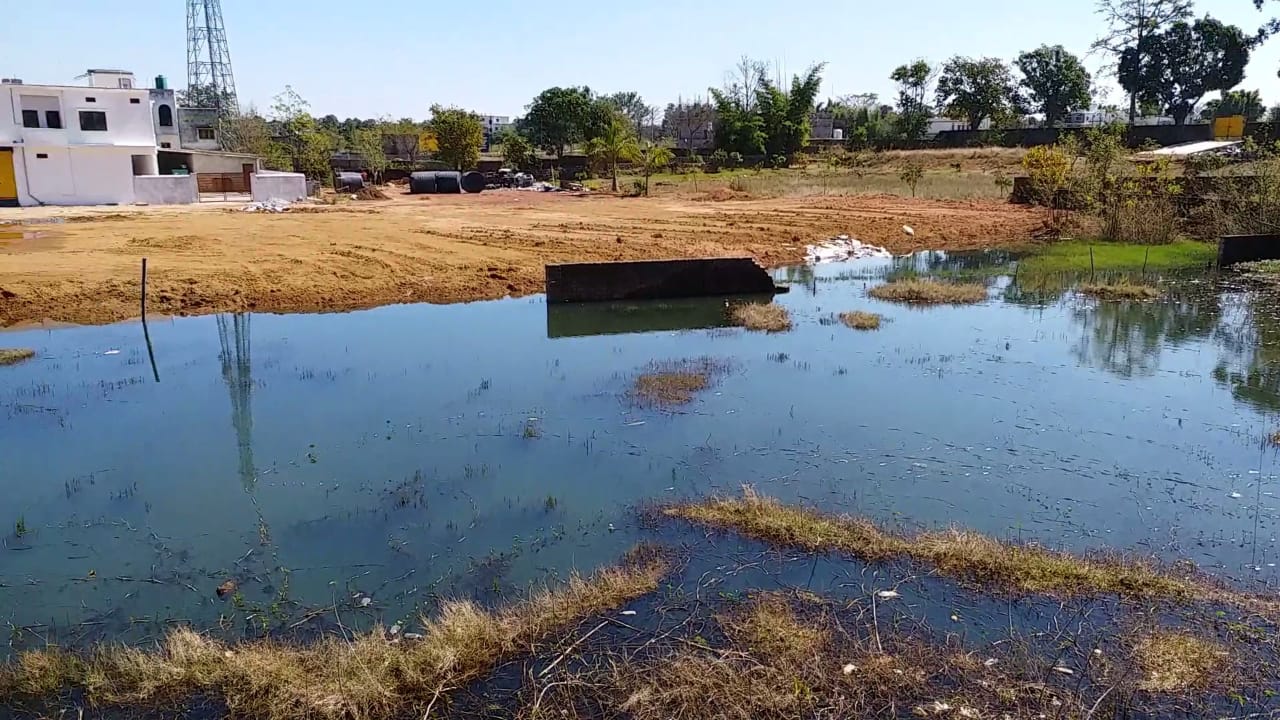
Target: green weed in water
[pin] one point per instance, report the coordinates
(20, 527)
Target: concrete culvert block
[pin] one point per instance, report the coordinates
(473, 182)
(422, 183)
(449, 182)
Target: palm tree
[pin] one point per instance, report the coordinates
(615, 143)
(652, 158)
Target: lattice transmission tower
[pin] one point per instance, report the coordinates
(208, 59)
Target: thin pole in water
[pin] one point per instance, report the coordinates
(146, 334)
(1145, 257)
(1092, 270)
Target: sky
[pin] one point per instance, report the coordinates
(492, 57)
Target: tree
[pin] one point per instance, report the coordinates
(786, 116)
(409, 139)
(1186, 62)
(557, 118)
(249, 132)
(914, 81)
(1129, 25)
(633, 107)
(460, 134)
(765, 118)
(368, 143)
(310, 147)
(516, 151)
(977, 90)
(615, 143)
(1236, 102)
(1056, 82)
(652, 158)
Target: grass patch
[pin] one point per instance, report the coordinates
(676, 382)
(1120, 290)
(927, 291)
(13, 356)
(768, 317)
(960, 554)
(1073, 256)
(1274, 438)
(368, 676)
(859, 320)
(1176, 661)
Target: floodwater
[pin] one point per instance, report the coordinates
(409, 452)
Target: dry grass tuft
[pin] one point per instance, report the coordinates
(367, 677)
(770, 628)
(769, 317)
(859, 320)
(929, 292)
(1274, 438)
(675, 382)
(960, 554)
(1122, 290)
(1176, 661)
(13, 356)
(787, 662)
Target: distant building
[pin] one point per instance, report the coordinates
(692, 125)
(494, 126)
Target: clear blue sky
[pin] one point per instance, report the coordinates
(397, 57)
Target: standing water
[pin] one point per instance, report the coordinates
(400, 454)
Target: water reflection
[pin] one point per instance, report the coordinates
(616, 318)
(1250, 339)
(1127, 338)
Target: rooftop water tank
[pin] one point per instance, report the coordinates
(161, 83)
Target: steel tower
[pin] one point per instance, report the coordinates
(208, 60)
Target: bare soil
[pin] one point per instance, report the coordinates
(439, 249)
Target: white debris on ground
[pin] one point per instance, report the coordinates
(274, 205)
(843, 247)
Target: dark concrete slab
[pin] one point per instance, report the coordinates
(1234, 249)
(656, 279)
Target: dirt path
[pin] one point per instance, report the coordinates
(424, 248)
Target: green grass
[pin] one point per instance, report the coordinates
(1073, 256)
(820, 180)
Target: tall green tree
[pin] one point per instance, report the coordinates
(1236, 102)
(631, 105)
(977, 90)
(558, 118)
(1130, 25)
(460, 134)
(914, 82)
(1056, 82)
(614, 144)
(517, 152)
(1188, 61)
(785, 116)
(310, 147)
(367, 142)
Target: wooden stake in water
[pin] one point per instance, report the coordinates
(146, 334)
(1145, 258)
(1092, 270)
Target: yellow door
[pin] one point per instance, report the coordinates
(8, 180)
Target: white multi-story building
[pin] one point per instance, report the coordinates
(75, 145)
(494, 126)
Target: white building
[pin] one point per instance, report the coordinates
(75, 145)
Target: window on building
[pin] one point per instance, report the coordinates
(126, 83)
(30, 118)
(205, 133)
(93, 121)
(165, 145)
(53, 119)
(166, 116)
(91, 99)
(135, 101)
(42, 156)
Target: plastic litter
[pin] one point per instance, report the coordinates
(112, 351)
(850, 669)
(843, 247)
(887, 594)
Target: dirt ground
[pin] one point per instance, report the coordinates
(84, 266)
